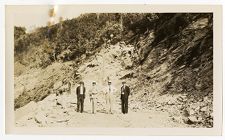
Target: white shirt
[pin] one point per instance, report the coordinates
(110, 89)
(81, 89)
(123, 88)
(94, 90)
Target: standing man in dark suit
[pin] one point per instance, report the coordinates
(80, 97)
(125, 92)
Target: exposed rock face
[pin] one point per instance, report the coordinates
(36, 84)
(180, 65)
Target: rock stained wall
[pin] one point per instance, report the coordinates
(180, 65)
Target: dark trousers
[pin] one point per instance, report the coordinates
(80, 104)
(124, 104)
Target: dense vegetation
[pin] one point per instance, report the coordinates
(72, 38)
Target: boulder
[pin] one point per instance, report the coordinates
(206, 99)
(198, 85)
(204, 109)
(197, 108)
(57, 85)
(158, 106)
(200, 119)
(180, 99)
(185, 113)
(211, 115)
(170, 102)
(186, 120)
(40, 118)
(193, 119)
(191, 111)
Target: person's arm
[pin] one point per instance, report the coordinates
(96, 90)
(84, 91)
(77, 91)
(121, 92)
(128, 88)
(90, 92)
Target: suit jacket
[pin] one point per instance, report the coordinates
(78, 92)
(126, 91)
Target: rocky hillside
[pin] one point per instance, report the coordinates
(179, 69)
(167, 59)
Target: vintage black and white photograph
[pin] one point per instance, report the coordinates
(113, 69)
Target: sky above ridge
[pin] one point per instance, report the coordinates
(32, 17)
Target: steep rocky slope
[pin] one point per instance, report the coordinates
(179, 70)
(167, 59)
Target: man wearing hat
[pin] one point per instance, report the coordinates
(80, 91)
(125, 92)
(110, 90)
(93, 98)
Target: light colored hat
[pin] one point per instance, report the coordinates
(109, 81)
